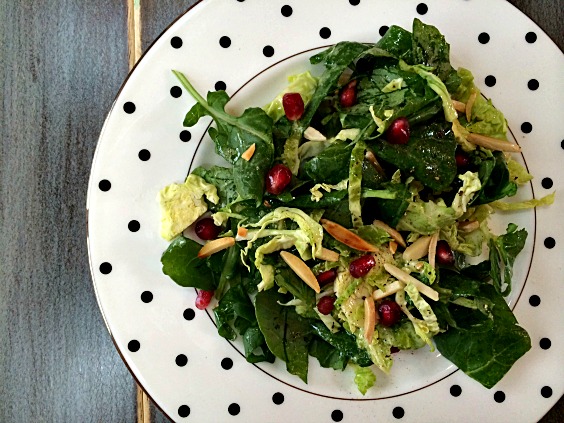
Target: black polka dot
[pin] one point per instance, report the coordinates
(176, 42)
(104, 185)
(324, 32)
(499, 396)
(234, 409)
(181, 360)
(546, 183)
(176, 91)
(268, 51)
(144, 155)
(133, 226)
(185, 136)
(545, 343)
(226, 363)
(549, 242)
(484, 38)
(183, 411)
(530, 37)
(533, 84)
(383, 29)
(354, 2)
(526, 127)
(546, 391)
(105, 268)
(220, 85)
(133, 345)
(490, 80)
(129, 107)
(455, 390)
(278, 398)
(286, 10)
(398, 412)
(534, 300)
(146, 296)
(225, 42)
(337, 415)
(189, 314)
(421, 9)
(562, 144)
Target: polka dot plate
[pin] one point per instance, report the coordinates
(249, 48)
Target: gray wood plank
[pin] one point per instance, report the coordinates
(61, 64)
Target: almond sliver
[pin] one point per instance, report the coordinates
(301, 269)
(327, 255)
(391, 231)
(433, 249)
(390, 289)
(493, 143)
(216, 245)
(347, 237)
(417, 250)
(469, 105)
(369, 319)
(459, 106)
(407, 278)
(249, 152)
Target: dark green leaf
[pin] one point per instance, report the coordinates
(494, 176)
(222, 178)
(296, 341)
(503, 251)
(327, 355)
(389, 211)
(344, 342)
(181, 263)
(254, 340)
(236, 306)
(397, 41)
(331, 166)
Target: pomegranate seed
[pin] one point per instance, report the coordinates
(206, 229)
(445, 256)
(203, 299)
(347, 98)
(394, 350)
(390, 313)
(325, 305)
(327, 277)
(398, 132)
(293, 105)
(462, 159)
(278, 179)
(361, 266)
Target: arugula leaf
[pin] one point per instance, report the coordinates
(398, 42)
(233, 136)
(503, 251)
(181, 263)
(330, 166)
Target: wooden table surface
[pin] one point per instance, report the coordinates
(61, 64)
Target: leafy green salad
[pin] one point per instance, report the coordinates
(351, 209)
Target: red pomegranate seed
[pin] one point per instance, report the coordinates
(445, 256)
(278, 179)
(390, 313)
(325, 305)
(361, 266)
(203, 299)
(398, 132)
(293, 105)
(327, 277)
(206, 229)
(347, 98)
(462, 159)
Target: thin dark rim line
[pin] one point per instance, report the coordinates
(91, 181)
(329, 396)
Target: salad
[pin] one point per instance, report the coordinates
(353, 205)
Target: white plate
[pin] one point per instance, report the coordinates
(173, 349)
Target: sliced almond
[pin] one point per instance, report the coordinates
(469, 105)
(390, 290)
(216, 245)
(347, 237)
(433, 249)
(417, 250)
(407, 278)
(301, 269)
(492, 143)
(327, 255)
(369, 319)
(391, 231)
(313, 134)
(369, 155)
(242, 232)
(249, 152)
(393, 246)
(459, 106)
(468, 226)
